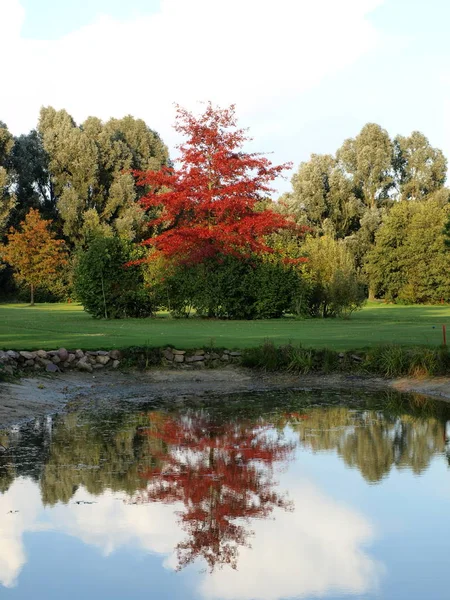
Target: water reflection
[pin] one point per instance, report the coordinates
(215, 488)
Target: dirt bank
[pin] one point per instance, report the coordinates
(33, 397)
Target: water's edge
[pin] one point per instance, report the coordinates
(37, 396)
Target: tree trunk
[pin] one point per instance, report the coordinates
(32, 295)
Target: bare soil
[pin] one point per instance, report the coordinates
(33, 397)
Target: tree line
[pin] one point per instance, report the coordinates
(99, 212)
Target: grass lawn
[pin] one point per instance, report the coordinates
(50, 326)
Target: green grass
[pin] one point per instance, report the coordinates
(50, 326)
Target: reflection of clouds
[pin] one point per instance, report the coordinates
(23, 496)
(311, 551)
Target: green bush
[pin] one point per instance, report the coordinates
(106, 287)
(231, 288)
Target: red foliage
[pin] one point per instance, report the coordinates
(222, 474)
(209, 205)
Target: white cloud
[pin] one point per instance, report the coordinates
(316, 549)
(255, 53)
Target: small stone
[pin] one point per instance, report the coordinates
(199, 352)
(356, 358)
(92, 359)
(52, 368)
(66, 364)
(92, 352)
(115, 354)
(225, 357)
(29, 363)
(9, 369)
(179, 358)
(103, 359)
(55, 359)
(13, 354)
(71, 358)
(79, 353)
(27, 355)
(179, 352)
(168, 354)
(341, 355)
(214, 356)
(84, 365)
(52, 352)
(41, 354)
(37, 367)
(115, 364)
(43, 361)
(235, 354)
(98, 366)
(102, 353)
(63, 354)
(226, 352)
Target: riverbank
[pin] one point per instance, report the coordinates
(37, 396)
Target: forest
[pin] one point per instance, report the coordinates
(99, 213)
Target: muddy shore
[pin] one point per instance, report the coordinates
(33, 397)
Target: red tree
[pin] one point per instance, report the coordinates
(223, 474)
(208, 206)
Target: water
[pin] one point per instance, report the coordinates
(261, 496)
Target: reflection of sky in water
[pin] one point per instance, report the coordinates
(346, 538)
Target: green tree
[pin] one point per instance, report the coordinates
(330, 270)
(107, 287)
(7, 199)
(322, 197)
(368, 162)
(420, 169)
(89, 166)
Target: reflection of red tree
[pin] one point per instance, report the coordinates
(223, 474)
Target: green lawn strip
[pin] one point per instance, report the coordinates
(51, 326)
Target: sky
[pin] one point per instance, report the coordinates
(303, 75)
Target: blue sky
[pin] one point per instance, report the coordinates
(304, 75)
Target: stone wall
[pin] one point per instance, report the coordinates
(55, 361)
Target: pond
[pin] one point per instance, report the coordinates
(257, 496)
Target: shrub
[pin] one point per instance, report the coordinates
(106, 287)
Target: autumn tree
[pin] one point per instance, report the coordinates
(210, 205)
(35, 253)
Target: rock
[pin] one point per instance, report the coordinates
(102, 353)
(91, 352)
(179, 352)
(84, 365)
(191, 359)
(341, 355)
(199, 352)
(356, 358)
(27, 355)
(179, 358)
(103, 359)
(224, 357)
(52, 352)
(29, 362)
(41, 354)
(168, 354)
(63, 354)
(226, 352)
(98, 366)
(52, 368)
(115, 364)
(214, 356)
(55, 359)
(4, 358)
(79, 353)
(66, 364)
(37, 367)
(9, 369)
(235, 354)
(92, 359)
(12, 354)
(115, 354)
(43, 362)
(71, 358)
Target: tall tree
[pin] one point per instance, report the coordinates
(30, 170)
(322, 197)
(420, 169)
(368, 161)
(90, 166)
(7, 198)
(210, 205)
(34, 253)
